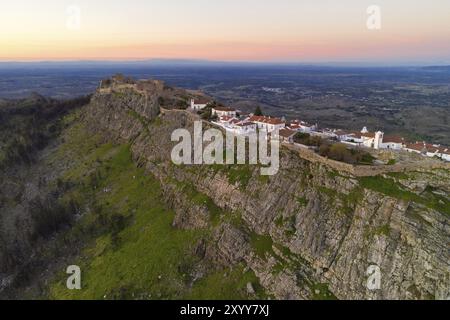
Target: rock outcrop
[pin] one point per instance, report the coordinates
(305, 232)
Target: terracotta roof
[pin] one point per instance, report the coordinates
(437, 149)
(394, 139)
(224, 109)
(267, 120)
(368, 135)
(286, 133)
(422, 147)
(416, 146)
(201, 100)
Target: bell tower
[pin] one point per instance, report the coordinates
(378, 140)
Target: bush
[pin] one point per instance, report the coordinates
(182, 104)
(391, 162)
(335, 151)
(308, 140)
(340, 152)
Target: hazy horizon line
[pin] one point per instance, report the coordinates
(231, 62)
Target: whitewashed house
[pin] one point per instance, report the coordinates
(224, 111)
(418, 147)
(438, 151)
(287, 135)
(344, 136)
(301, 126)
(243, 128)
(393, 143)
(444, 153)
(236, 126)
(199, 103)
(363, 138)
(428, 150)
(326, 134)
(268, 124)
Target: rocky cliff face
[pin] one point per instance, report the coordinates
(308, 231)
(27, 128)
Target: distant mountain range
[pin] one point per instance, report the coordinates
(199, 62)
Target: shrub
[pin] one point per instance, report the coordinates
(391, 162)
(308, 140)
(182, 104)
(340, 152)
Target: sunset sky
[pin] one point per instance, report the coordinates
(227, 30)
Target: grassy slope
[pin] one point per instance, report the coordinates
(134, 252)
(390, 187)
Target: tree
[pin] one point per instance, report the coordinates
(258, 111)
(339, 152)
(182, 104)
(315, 141)
(206, 113)
(301, 138)
(324, 150)
(213, 104)
(308, 140)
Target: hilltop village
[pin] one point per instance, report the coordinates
(354, 147)
(296, 131)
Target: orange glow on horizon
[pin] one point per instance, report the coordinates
(283, 30)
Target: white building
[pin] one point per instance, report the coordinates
(325, 134)
(301, 126)
(363, 138)
(444, 153)
(236, 126)
(393, 143)
(429, 150)
(224, 111)
(267, 123)
(415, 147)
(243, 128)
(199, 103)
(287, 135)
(437, 151)
(345, 136)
